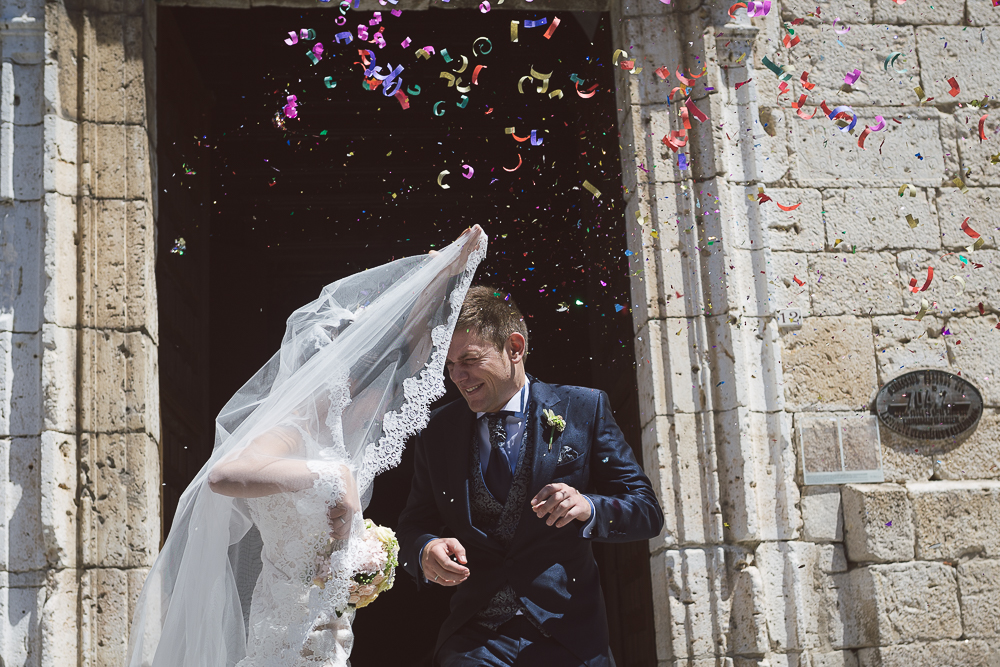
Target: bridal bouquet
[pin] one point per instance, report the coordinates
(377, 552)
(377, 571)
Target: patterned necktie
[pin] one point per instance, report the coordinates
(498, 476)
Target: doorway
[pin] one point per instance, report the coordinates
(272, 207)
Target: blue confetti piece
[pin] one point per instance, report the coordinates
(618, 308)
(682, 161)
(629, 253)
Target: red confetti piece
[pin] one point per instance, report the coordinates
(404, 101)
(590, 93)
(805, 83)
(927, 283)
(788, 208)
(662, 72)
(972, 233)
(519, 163)
(982, 128)
(864, 135)
(982, 311)
(683, 79)
(475, 74)
(743, 83)
(798, 108)
(627, 64)
(800, 283)
(789, 41)
(955, 90)
(735, 7)
(552, 28)
(695, 111)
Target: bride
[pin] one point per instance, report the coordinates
(257, 569)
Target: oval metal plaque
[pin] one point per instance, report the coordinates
(929, 405)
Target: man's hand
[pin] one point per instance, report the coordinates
(341, 515)
(437, 564)
(562, 503)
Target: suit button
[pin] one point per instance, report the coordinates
(509, 562)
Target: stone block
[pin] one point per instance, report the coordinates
(657, 453)
(738, 377)
(977, 456)
(23, 500)
(862, 283)
(784, 291)
(968, 653)
(748, 634)
(953, 207)
(951, 12)
(900, 603)
(904, 345)
(113, 70)
(60, 173)
(118, 281)
(119, 374)
(687, 372)
(979, 589)
(20, 370)
(822, 157)
(830, 558)
(822, 516)
(977, 285)
(61, 67)
(104, 619)
(58, 507)
(756, 474)
(650, 375)
(27, 93)
(975, 356)
(21, 599)
(800, 229)
(756, 155)
(699, 610)
(650, 47)
(979, 15)
(694, 481)
(28, 147)
(956, 519)
(938, 61)
(904, 460)
(860, 216)
(864, 47)
(790, 605)
(59, 289)
(834, 659)
(877, 523)
(59, 619)
(119, 500)
(116, 157)
(824, 352)
(20, 256)
(852, 10)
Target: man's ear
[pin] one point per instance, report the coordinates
(516, 347)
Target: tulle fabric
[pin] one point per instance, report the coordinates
(355, 376)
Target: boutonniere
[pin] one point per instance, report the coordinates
(556, 422)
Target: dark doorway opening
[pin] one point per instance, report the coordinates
(271, 208)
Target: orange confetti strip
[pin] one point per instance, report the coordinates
(475, 74)
(519, 163)
(864, 135)
(798, 282)
(969, 231)
(798, 108)
(788, 208)
(735, 7)
(955, 90)
(662, 72)
(982, 128)
(805, 83)
(590, 93)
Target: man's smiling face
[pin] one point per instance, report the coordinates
(486, 376)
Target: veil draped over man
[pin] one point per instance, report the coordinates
(356, 373)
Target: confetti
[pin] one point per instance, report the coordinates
(961, 281)
(513, 31)
(890, 61)
(519, 163)
(982, 128)
(755, 8)
(955, 90)
(180, 245)
(974, 235)
(927, 283)
(798, 282)
(906, 187)
(444, 186)
(851, 78)
(913, 222)
(591, 189)
(329, 82)
(535, 24)
(743, 83)
(846, 29)
(470, 172)
(552, 28)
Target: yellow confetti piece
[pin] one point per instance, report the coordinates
(508, 130)
(520, 84)
(513, 31)
(556, 93)
(961, 281)
(591, 189)
(837, 242)
(913, 222)
(619, 52)
(441, 178)
(960, 184)
(465, 63)
(906, 187)
(923, 309)
(920, 93)
(449, 76)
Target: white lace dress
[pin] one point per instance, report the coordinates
(294, 622)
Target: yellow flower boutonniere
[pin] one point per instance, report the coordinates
(556, 422)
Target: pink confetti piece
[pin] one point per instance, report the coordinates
(851, 78)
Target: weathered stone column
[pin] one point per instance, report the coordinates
(118, 388)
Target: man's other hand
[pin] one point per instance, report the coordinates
(562, 503)
(437, 564)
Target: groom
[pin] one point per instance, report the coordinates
(525, 475)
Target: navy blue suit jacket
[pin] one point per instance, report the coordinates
(552, 569)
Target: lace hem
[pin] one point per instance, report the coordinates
(419, 393)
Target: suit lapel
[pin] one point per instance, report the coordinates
(543, 397)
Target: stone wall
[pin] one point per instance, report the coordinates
(756, 568)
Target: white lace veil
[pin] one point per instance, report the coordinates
(356, 373)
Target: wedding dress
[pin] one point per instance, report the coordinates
(257, 568)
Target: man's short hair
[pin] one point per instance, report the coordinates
(492, 315)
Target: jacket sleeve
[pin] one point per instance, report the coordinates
(420, 521)
(625, 506)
